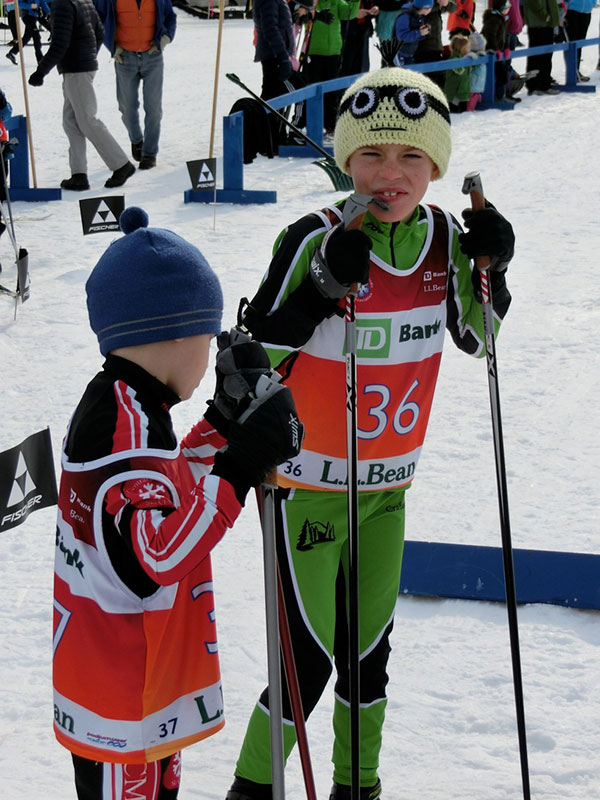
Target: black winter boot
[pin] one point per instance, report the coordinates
(120, 175)
(78, 182)
(341, 792)
(243, 789)
(136, 150)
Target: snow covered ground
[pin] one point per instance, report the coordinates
(451, 729)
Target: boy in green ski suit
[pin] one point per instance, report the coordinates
(415, 279)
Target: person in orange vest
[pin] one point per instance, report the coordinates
(136, 32)
(461, 20)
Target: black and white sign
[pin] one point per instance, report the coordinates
(27, 479)
(203, 174)
(101, 214)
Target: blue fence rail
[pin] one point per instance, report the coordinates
(435, 569)
(233, 127)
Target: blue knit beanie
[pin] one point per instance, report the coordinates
(422, 3)
(151, 286)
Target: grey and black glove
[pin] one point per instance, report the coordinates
(342, 259)
(240, 363)
(265, 435)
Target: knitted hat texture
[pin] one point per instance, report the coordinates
(477, 41)
(151, 286)
(394, 106)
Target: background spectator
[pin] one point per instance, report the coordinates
(136, 33)
(30, 12)
(458, 82)
(477, 73)
(356, 34)
(461, 20)
(541, 18)
(77, 35)
(577, 22)
(325, 49)
(495, 32)
(430, 48)
(410, 27)
(274, 45)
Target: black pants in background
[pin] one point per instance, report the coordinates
(576, 25)
(543, 63)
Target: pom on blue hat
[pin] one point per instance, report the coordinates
(151, 285)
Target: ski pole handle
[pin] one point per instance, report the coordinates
(473, 187)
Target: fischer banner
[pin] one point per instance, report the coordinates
(27, 479)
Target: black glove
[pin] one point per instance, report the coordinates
(325, 16)
(265, 435)
(489, 234)
(341, 260)
(284, 69)
(36, 79)
(240, 363)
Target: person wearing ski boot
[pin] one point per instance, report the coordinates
(410, 266)
(136, 669)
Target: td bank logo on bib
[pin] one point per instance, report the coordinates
(373, 337)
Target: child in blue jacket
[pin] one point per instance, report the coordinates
(30, 11)
(410, 27)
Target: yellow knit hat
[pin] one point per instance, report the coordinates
(394, 106)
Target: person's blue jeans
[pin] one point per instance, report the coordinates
(146, 68)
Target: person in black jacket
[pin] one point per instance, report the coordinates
(77, 35)
(274, 45)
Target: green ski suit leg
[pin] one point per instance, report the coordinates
(312, 551)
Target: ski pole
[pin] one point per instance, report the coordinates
(267, 516)
(472, 186)
(353, 525)
(353, 214)
(278, 635)
(294, 693)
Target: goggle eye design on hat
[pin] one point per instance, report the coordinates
(364, 102)
(410, 101)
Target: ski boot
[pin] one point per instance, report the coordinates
(243, 789)
(341, 792)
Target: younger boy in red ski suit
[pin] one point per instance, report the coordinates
(136, 669)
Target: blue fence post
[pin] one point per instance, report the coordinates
(233, 145)
(489, 93)
(233, 170)
(571, 65)
(314, 116)
(18, 175)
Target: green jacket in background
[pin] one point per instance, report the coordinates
(326, 39)
(541, 13)
(458, 83)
